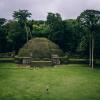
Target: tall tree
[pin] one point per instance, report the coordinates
(21, 16)
(54, 22)
(60, 31)
(56, 28)
(90, 19)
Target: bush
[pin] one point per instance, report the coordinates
(78, 61)
(7, 55)
(64, 60)
(6, 60)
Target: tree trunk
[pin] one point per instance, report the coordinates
(92, 51)
(30, 33)
(26, 32)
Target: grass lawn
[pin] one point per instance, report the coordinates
(66, 82)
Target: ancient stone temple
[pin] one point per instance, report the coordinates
(38, 49)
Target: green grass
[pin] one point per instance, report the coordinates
(65, 82)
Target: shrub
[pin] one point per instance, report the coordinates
(64, 60)
(6, 60)
(79, 61)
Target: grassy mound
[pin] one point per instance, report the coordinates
(40, 48)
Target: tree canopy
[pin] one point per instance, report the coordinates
(90, 20)
(74, 36)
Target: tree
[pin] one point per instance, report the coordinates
(2, 21)
(97, 42)
(54, 21)
(15, 36)
(55, 28)
(2, 35)
(40, 29)
(21, 16)
(90, 19)
(71, 30)
(63, 32)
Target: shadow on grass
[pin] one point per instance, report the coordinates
(12, 97)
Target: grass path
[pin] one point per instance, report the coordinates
(66, 82)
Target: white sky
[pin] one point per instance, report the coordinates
(39, 8)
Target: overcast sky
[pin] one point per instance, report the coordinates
(39, 8)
